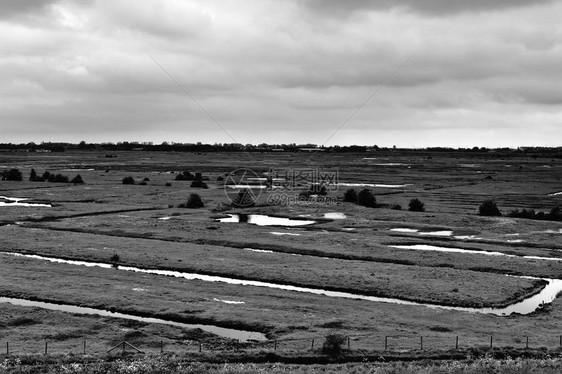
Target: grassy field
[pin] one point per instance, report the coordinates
(143, 225)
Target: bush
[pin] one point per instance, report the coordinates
(58, 178)
(553, 215)
(168, 184)
(489, 208)
(12, 175)
(77, 179)
(416, 205)
(33, 177)
(333, 344)
(366, 198)
(128, 180)
(350, 196)
(193, 202)
(185, 176)
(115, 260)
(318, 189)
(199, 184)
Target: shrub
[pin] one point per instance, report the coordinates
(553, 215)
(46, 175)
(244, 199)
(350, 196)
(396, 207)
(168, 184)
(318, 189)
(115, 259)
(12, 175)
(77, 179)
(489, 208)
(193, 202)
(220, 179)
(142, 183)
(58, 178)
(416, 205)
(333, 344)
(366, 198)
(128, 180)
(34, 177)
(146, 180)
(185, 176)
(199, 184)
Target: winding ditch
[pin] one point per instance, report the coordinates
(526, 306)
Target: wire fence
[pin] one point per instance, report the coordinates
(358, 343)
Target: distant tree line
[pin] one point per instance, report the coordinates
(554, 152)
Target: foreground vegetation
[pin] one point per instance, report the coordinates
(179, 365)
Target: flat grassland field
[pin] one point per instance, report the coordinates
(445, 256)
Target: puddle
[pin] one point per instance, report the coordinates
(547, 295)
(335, 215)
(221, 331)
(229, 301)
(263, 220)
(243, 186)
(437, 233)
(15, 201)
(555, 193)
(426, 247)
(284, 233)
(164, 218)
(404, 230)
(258, 250)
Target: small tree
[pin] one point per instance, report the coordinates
(489, 208)
(128, 180)
(77, 179)
(193, 202)
(416, 205)
(350, 196)
(199, 184)
(333, 344)
(32, 175)
(115, 260)
(366, 198)
(12, 175)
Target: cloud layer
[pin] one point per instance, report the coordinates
(481, 73)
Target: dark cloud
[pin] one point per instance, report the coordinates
(432, 7)
(11, 8)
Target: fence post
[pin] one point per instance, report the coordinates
(200, 346)
(527, 343)
(46, 347)
(491, 341)
(312, 345)
(8, 347)
(123, 347)
(348, 345)
(561, 340)
(457, 343)
(161, 346)
(385, 342)
(275, 345)
(421, 343)
(84, 347)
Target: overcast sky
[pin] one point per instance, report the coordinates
(409, 73)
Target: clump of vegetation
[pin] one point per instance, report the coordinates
(366, 198)
(333, 344)
(489, 208)
(77, 179)
(553, 215)
(33, 177)
(416, 205)
(115, 260)
(12, 175)
(185, 176)
(318, 189)
(198, 183)
(350, 196)
(51, 177)
(128, 180)
(194, 201)
(244, 199)
(396, 207)
(168, 184)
